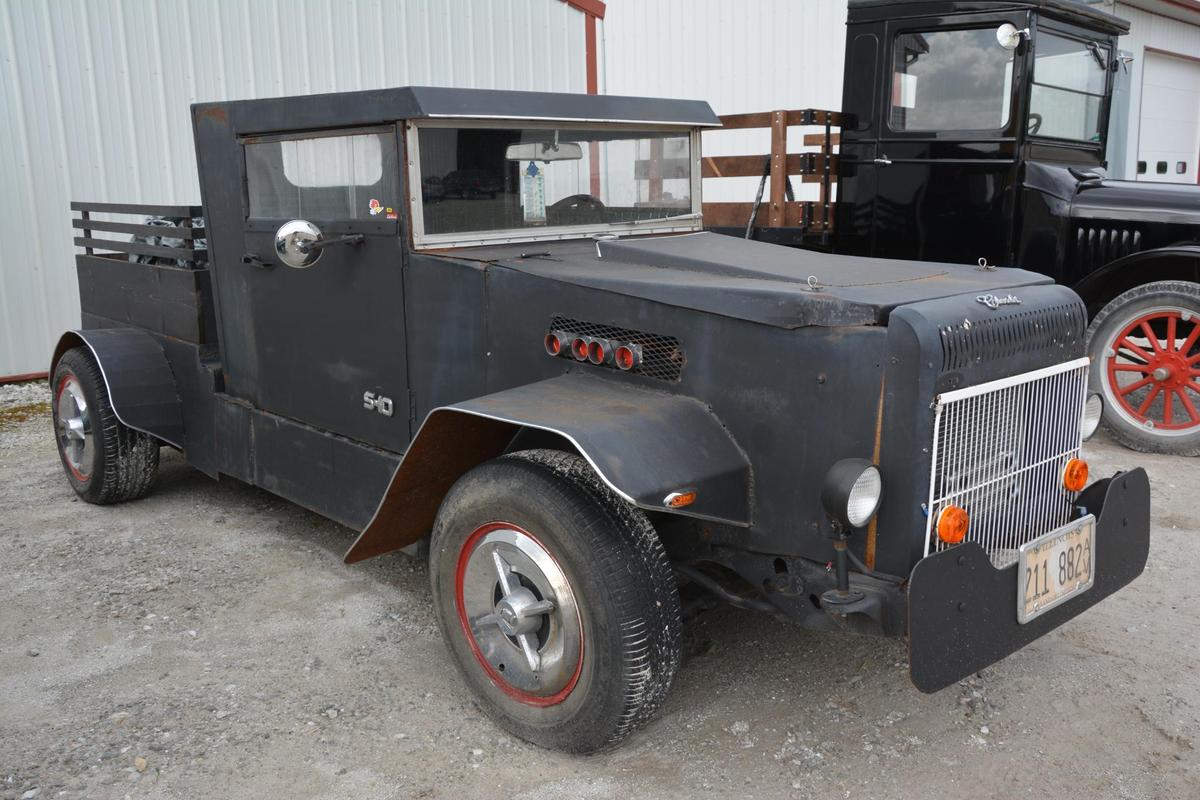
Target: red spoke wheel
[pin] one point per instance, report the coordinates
(556, 599)
(1145, 348)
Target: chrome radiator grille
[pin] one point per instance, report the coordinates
(999, 449)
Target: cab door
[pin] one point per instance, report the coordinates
(945, 162)
(323, 267)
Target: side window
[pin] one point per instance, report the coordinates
(1069, 81)
(328, 178)
(950, 81)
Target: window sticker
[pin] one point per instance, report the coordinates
(374, 207)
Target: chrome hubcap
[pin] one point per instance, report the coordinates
(521, 611)
(74, 424)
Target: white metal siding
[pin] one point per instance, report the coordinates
(94, 98)
(1157, 33)
(740, 57)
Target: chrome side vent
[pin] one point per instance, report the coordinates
(1095, 247)
(662, 357)
(1003, 335)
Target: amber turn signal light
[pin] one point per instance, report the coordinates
(680, 499)
(952, 524)
(1075, 475)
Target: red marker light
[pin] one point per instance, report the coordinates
(598, 351)
(627, 357)
(579, 348)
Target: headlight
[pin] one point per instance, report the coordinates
(1093, 408)
(852, 490)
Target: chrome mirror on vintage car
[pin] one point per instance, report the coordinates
(544, 151)
(293, 243)
(1009, 36)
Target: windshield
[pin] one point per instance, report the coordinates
(1070, 78)
(544, 182)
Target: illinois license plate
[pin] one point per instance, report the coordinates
(1055, 567)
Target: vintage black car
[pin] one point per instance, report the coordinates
(979, 130)
(592, 411)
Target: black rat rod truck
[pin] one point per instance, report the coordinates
(978, 129)
(588, 402)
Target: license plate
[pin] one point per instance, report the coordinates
(1055, 567)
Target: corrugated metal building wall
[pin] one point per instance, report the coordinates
(94, 98)
(757, 56)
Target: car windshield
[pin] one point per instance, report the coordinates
(1070, 78)
(521, 183)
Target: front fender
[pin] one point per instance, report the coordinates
(1184, 253)
(141, 386)
(643, 444)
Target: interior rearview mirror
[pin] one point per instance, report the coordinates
(544, 151)
(1009, 36)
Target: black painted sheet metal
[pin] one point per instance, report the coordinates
(756, 281)
(643, 444)
(141, 386)
(962, 612)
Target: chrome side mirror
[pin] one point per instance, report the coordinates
(293, 243)
(1009, 36)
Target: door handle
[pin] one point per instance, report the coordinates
(883, 161)
(255, 260)
(352, 239)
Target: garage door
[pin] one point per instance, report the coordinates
(1169, 135)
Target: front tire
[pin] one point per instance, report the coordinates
(1145, 349)
(556, 599)
(105, 461)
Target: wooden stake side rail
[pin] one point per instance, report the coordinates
(778, 211)
(194, 258)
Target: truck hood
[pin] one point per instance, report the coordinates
(770, 284)
(1090, 195)
(1138, 201)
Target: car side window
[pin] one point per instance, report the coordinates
(1066, 98)
(330, 177)
(958, 80)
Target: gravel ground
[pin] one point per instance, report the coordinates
(207, 642)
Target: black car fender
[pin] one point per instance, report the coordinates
(1175, 262)
(141, 386)
(647, 446)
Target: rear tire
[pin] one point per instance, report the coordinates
(582, 675)
(1142, 346)
(105, 461)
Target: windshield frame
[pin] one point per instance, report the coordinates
(430, 241)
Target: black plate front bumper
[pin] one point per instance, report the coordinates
(962, 611)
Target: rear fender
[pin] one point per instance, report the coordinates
(141, 386)
(643, 444)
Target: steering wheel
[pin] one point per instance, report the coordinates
(1035, 122)
(577, 201)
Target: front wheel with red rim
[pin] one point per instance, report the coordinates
(556, 600)
(1145, 348)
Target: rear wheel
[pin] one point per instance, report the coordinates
(556, 599)
(105, 461)
(1145, 348)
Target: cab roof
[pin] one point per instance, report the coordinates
(1069, 10)
(381, 106)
